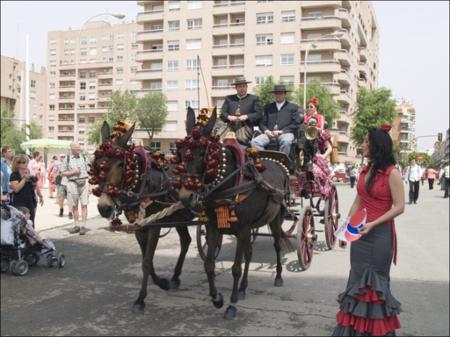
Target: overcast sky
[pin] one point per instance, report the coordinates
(414, 46)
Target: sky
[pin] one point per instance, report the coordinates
(414, 47)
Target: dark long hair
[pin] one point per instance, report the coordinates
(381, 154)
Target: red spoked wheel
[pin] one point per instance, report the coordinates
(202, 246)
(331, 218)
(306, 236)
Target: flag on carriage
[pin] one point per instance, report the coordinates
(349, 231)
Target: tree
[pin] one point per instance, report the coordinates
(151, 113)
(263, 89)
(373, 109)
(422, 158)
(122, 106)
(328, 106)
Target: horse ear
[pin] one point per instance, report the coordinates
(122, 141)
(190, 120)
(211, 122)
(105, 132)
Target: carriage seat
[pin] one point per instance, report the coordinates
(278, 156)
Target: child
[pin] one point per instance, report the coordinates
(31, 234)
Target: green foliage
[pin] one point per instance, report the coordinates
(373, 109)
(263, 89)
(122, 106)
(424, 160)
(12, 135)
(328, 106)
(151, 112)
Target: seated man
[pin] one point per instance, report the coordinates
(280, 122)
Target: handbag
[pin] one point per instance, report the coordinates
(58, 179)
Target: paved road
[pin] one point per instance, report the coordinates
(93, 293)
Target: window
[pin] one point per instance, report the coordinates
(172, 84)
(82, 85)
(192, 84)
(172, 65)
(107, 49)
(170, 126)
(173, 45)
(33, 83)
(287, 79)
(223, 83)
(52, 52)
(287, 38)
(133, 70)
(83, 40)
(107, 37)
(52, 41)
(134, 46)
(119, 70)
(192, 44)
(92, 74)
(51, 129)
(264, 39)
(52, 74)
(194, 23)
(262, 18)
(82, 97)
(120, 47)
(286, 59)
(92, 85)
(194, 4)
(81, 120)
(174, 5)
(120, 36)
(287, 16)
(314, 58)
(83, 51)
(192, 64)
(313, 78)
(119, 58)
(260, 79)
(174, 25)
(52, 85)
(172, 106)
(192, 103)
(51, 107)
(263, 60)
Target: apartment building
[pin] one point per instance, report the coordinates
(403, 128)
(85, 66)
(13, 90)
(256, 39)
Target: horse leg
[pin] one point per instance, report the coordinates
(185, 241)
(212, 236)
(139, 304)
(244, 281)
(275, 227)
(243, 241)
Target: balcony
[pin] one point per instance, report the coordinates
(147, 35)
(67, 76)
(362, 68)
(345, 17)
(321, 44)
(344, 97)
(105, 85)
(149, 54)
(343, 78)
(323, 66)
(66, 99)
(67, 88)
(335, 88)
(345, 39)
(108, 74)
(149, 74)
(362, 82)
(311, 4)
(343, 57)
(363, 55)
(149, 15)
(320, 22)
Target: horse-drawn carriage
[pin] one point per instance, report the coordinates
(231, 192)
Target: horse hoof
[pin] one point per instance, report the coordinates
(138, 308)
(218, 301)
(230, 313)
(278, 282)
(241, 295)
(164, 284)
(174, 284)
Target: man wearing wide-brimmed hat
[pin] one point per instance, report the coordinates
(280, 122)
(241, 111)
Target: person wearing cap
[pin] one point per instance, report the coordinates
(241, 111)
(280, 122)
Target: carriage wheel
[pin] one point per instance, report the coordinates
(331, 218)
(202, 245)
(306, 236)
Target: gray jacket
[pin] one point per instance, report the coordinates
(287, 119)
(249, 105)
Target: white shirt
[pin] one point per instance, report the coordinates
(279, 105)
(413, 173)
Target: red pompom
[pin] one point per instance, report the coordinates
(386, 128)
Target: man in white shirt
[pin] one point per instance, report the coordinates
(412, 175)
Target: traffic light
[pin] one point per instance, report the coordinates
(440, 136)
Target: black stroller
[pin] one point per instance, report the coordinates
(18, 250)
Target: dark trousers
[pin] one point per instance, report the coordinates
(430, 183)
(352, 181)
(447, 183)
(413, 191)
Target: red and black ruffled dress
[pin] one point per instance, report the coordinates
(367, 307)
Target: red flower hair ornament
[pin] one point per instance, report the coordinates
(386, 128)
(314, 100)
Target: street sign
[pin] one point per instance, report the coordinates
(420, 157)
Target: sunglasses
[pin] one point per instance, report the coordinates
(21, 162)
(310, 106)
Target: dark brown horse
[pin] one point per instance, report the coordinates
(118, 189)
(210, 176)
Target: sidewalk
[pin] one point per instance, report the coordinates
(47, 216)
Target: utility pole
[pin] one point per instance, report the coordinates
(198, 82)
(27, 91)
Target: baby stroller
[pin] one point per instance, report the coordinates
(18, 249)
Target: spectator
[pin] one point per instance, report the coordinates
(431, 176)
(40, 171)
(52, 177)
(413, 176)
(75, 169)
(447, 178)
(24, 186)
(33, 165)
(6, 163)
(61, 185)
(352, 176)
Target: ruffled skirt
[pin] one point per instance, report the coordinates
(367, 307)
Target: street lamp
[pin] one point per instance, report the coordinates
(335, 34)
(77, 89)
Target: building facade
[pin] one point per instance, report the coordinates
(13, 90)
(255, 39)
(403, 128)
(85, 66)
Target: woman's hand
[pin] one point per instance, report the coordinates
(366, 229)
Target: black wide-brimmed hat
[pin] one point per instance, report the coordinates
(279, 88)
(240, 80)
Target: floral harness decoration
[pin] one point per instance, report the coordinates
(215, 169)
